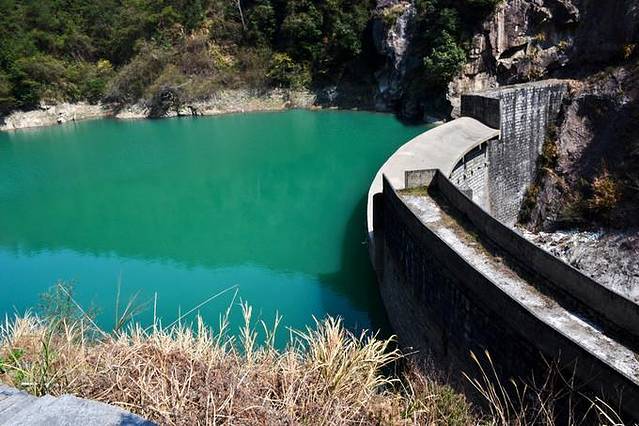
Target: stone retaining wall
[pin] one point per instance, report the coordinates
(523, 113)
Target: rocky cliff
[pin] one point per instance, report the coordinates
(392, 35)
(584, 206)
(526, 40)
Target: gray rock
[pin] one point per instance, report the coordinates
(18, 408)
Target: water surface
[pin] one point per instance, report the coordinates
(184, 208)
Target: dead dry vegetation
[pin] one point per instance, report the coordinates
(188, 375)
(194, 375)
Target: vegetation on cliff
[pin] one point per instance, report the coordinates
(126, 50)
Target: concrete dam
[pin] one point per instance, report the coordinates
(456, 277)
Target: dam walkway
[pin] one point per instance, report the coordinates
(439, 216)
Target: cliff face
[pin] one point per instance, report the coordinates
(397, 80)
(593, 178)
(392, 34)
(526, 40)
(584, 206)
(522, 40)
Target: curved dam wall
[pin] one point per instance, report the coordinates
(455, 277)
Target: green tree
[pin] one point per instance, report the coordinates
(7, 101)
(301, 31)
(261, 23)
(284, 72)
(445, 60)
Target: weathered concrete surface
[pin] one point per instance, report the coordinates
(18, 408)
(449, 288)
(440, 148)
(448, 292)
(501, 273)
(523, 113)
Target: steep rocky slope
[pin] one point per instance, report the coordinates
(584, 206)
(587, 189)
(532, 39)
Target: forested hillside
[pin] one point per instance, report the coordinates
(126, 50)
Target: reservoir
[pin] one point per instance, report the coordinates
(178, 210)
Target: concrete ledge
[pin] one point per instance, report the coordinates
(438, 301)
(439, 148)
(614, 308)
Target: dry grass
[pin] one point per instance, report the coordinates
(192, 375)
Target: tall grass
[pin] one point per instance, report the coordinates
(190, 374)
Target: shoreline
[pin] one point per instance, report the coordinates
(220, 103)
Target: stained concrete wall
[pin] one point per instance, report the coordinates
(440, 305)
(523, 113)
(472, 174)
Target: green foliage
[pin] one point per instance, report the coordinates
(131, 82)
(301, 30)
(445, 60)
(284, 72)
(10, 359)
(261, 23)
(7, 101)
(442, 32)
(54, 50)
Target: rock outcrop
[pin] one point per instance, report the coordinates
(585, 203)
(610, 257)
(392, 32)
(526, 40)
(167, 103)
(48, 115)
(596, 137)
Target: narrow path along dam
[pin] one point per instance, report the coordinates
(455, 276)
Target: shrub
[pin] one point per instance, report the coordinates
(529, 203)
(284, 72)
(606, 194)
(261, 23)
(37, 77)
(389, 15)
(301, 31)
(130, 82)
(549, 158)
(445, 60)
(7, 101)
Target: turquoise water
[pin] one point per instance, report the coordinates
(273, 203)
